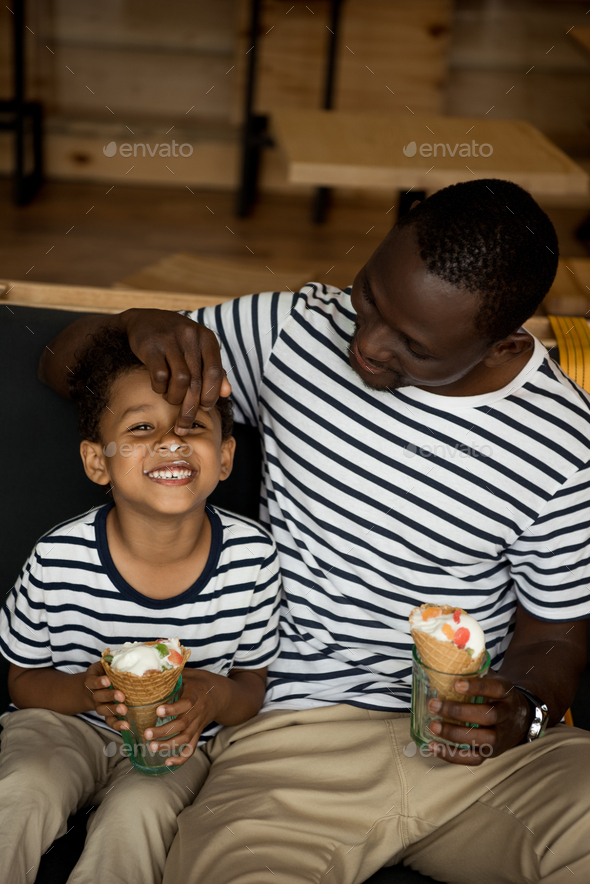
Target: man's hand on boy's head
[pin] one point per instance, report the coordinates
(106, 702)
(182, 357)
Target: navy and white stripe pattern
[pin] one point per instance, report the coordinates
(70, 602)
(379, 501)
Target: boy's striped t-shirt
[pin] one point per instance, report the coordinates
(70, 602)
(379, 501)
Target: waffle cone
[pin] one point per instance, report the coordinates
(148, 689)
(449, 661)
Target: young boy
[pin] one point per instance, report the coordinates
(154, 562)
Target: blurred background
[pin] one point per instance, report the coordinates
(232, 215)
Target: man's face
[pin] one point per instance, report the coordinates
(412, 328)
(149, 467)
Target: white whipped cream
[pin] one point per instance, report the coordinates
(138, 658)
(434, 626)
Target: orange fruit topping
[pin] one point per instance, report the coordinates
(427, 613)
(448, 631)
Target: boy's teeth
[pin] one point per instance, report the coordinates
(170, 474)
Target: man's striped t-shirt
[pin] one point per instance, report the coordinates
(379, 501)
(70, 602)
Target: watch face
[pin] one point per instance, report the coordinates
(535, 730)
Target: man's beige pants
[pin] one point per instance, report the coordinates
(333, 794)
(52, 765)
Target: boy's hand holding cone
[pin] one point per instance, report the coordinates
(145, 673)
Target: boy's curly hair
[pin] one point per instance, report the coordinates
(105, 357)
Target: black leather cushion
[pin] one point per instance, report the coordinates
(43, 480)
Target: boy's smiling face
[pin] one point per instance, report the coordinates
(147, 464)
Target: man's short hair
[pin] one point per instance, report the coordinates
(105, 357)
(488, 237)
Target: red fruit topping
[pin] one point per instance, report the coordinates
(461, 637)
(457, 615)
(175, 657)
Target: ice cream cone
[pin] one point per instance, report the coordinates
(448, 661)
(147, 690)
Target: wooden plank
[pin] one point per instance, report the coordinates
(366, 150)
(556, 103)
(198, 25)
(213, 162)
(138, 83)
(390, 54)
(74, 151)
(88, 299)
(397, 55)
(224, 277)
(138, 58)
(519, 61)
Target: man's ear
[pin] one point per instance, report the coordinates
(514, 345)
(95, 462)
(228, 448)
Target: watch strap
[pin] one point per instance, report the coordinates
(539, 714)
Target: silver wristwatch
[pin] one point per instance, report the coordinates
(539, 715)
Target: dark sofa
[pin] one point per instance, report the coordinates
(44, 483)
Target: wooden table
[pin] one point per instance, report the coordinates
(346, 149)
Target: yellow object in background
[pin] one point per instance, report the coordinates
(573, 340)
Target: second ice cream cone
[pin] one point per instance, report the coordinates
(446, 662)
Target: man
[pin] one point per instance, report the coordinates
(418, 445)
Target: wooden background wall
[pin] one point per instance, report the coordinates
(105, 71)
(130, 70)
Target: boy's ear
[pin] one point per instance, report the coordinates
(228, 448)
(95, 462)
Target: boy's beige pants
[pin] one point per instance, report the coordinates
(333, 794)
(50, 766)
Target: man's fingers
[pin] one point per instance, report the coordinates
(489, 686)
(458, 733)
(188, 410)
(225, 387)
(213, 373)
(471, 713)
(180, 378)
(159, 372)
